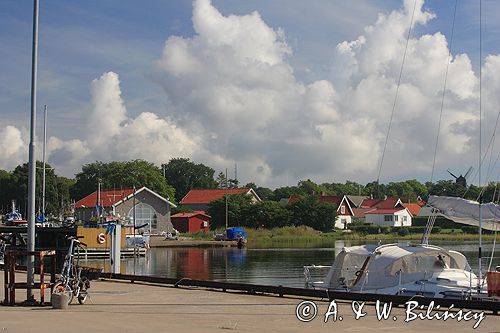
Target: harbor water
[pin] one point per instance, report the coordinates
(272, 266)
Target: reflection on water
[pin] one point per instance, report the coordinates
(259, 266)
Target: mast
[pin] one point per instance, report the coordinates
(30, 266)
(99, 200)
(480, 267)
(226, 213)
(44, 159)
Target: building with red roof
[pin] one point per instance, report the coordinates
(414, 208)
(388, 202)
(144, 205)
(191, 222)
(198, 200)
(342, 202)
(394, 217)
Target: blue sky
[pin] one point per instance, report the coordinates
(81, 40)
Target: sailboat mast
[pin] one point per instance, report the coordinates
(44, 159)
(480, 275)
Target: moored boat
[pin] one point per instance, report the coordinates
(396, 269)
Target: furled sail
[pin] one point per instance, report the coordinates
(466, 211)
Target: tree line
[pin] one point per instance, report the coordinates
(178, 176)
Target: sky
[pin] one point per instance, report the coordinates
(286, 90)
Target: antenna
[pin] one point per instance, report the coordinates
(236, 173)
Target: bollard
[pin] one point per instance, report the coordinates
(60, 300)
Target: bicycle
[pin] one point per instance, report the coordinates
(71, 280)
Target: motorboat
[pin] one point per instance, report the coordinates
(14, 218)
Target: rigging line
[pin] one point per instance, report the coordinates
(492, 144)
(444, 90)
(397, 91)
(490, 149)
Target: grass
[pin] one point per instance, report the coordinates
(306, 237)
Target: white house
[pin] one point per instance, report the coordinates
(393, 217)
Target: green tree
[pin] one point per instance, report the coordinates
(236, 204)
(267, 214)
(446, 188)
(287, 192)
(264, 193)
(136, 173)
(221, 180)
(310, 187)
(6, 188)
(185, 175)
(377, 190)
(311, 212)
(54, 198)
(349, 188)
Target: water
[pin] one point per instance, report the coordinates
(259, 266)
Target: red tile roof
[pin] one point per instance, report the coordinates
(388, 203)
(414, 208)
(206, 196)
(361, 212)
(108, 198)
(334, 199)
(380, 203)
(385, 211)
(188, 215)
(293, 198)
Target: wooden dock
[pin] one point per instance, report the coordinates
(161, 241)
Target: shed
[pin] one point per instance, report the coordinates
(191, 222)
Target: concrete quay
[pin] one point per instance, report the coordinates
(115, 306)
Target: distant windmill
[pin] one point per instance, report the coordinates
(462, 180)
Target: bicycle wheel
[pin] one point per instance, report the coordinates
(82, 297)
(60, 287)
(84, 285)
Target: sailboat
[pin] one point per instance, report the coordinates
(416, 270)
(485, 216)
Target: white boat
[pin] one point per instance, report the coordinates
(396, 269)
(423, 269)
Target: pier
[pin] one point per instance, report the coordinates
(121, 306)
(160, 241)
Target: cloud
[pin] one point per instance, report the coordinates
(233, 97)
(13, 147)
(110, 135)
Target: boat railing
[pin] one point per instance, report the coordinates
(308, 276)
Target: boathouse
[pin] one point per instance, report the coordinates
(150, 207)
(191, 222)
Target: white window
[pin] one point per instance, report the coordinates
(387, 218)
(144, 213)
(396, 217)
(342, 210)
(405, 218)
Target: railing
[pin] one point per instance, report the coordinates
(10, 284)
(308, 278)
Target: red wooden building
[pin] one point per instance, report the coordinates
(191, 222)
